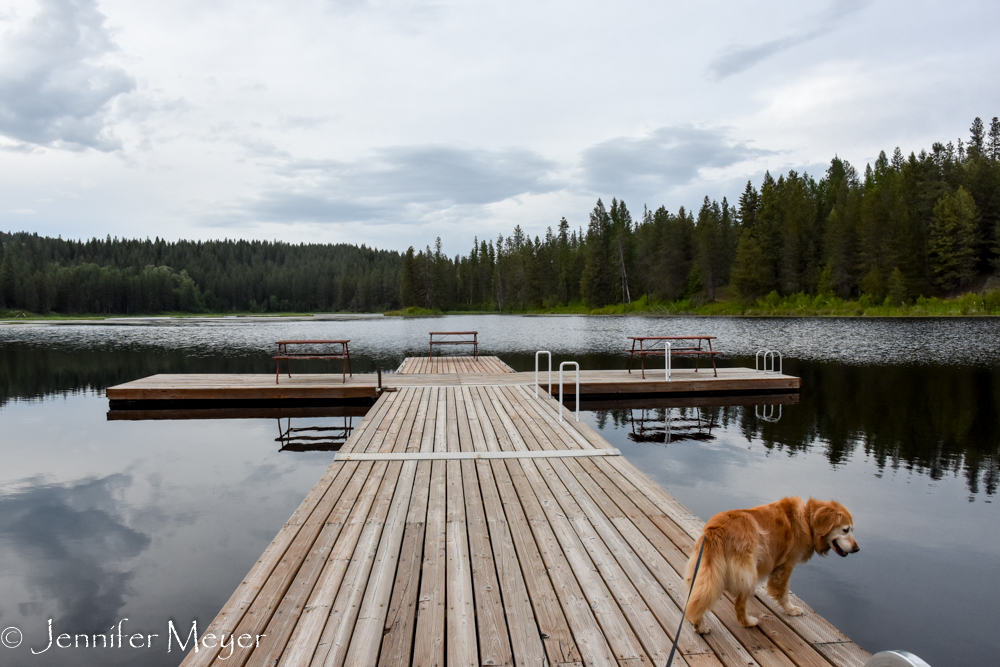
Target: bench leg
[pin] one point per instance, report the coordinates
(277, 371)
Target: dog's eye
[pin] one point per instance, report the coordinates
(847, 530)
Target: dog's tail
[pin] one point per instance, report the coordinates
(711, 579)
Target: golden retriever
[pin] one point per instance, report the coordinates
(745, 547)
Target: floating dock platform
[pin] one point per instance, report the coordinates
(468, 525)
(464, 523)
(444, 371)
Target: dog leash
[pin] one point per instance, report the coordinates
(677, 637)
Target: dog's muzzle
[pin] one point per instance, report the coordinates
(841, 552)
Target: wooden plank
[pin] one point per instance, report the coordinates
(622, 572)
(368, 630)
(644, 569)
(588, 636)
(349, 567)
(327, 591)
(429, 645)
(397, 644)
(844, 654)
(525, 636)
(371, 625)
(616, 628)
(462, 649)
(465, 456)
(557, 638)
(491, 623)
(375, 556)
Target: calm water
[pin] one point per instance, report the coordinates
(158, 521)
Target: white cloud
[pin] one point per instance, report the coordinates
(392, 122)
(56, 83)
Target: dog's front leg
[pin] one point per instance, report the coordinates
(741, 611)
(777, 588)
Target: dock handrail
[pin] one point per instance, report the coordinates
(536, 371)
(763, 367)
(569, 363)
(667, 354)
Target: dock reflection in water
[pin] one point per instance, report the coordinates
(320, 438)
(686, 418)
(316, 429)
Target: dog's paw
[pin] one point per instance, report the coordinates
(752, 622)
(793, 610)
(702, 629)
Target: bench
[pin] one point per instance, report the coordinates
(655, 345)
(342, 353)
(455, 338)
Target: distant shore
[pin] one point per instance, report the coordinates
(966, 305)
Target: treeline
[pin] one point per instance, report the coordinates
(922, 225)
(120, 276)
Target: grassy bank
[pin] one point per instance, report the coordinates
(798, 305)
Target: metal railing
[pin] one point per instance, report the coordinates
(895, 659)
(763, 367)
(536, 371)
(666, 353)
(569, 363)
(767, 414)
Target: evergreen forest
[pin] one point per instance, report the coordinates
(111, 276)
(922, 225)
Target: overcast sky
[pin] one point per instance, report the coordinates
(391, 123)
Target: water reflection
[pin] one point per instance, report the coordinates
(72, 549)
(325, 437)
(160, 514)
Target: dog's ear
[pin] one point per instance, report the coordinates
(822, 520)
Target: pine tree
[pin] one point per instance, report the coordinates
(993, 145)
(749, 275)
(749, 202)
(977, 138)
(952, 242)
(597, 281)
(408, 280)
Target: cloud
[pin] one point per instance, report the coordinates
(399, 184)
(56, 84)
(662, 160)
(74, 546)
(742, 58)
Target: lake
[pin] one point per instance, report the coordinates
(158, 521)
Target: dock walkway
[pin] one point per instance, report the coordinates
(556, 552)
(440, 371)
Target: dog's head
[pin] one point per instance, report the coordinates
(832, 527)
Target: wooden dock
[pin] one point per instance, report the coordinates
(464, 524)
(444, 371)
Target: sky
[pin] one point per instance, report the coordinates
(391, 123)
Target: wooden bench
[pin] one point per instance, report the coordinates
(655, 345)
(455, 338)
(342, 353)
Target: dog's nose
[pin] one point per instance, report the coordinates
(856, 549)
